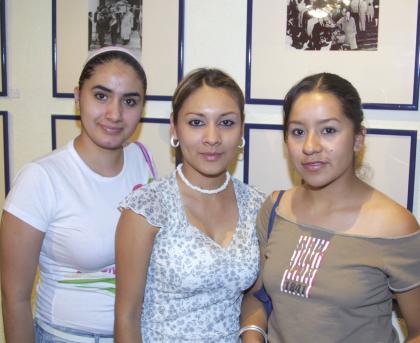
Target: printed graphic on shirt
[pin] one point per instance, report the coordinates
(103, 281)
(299, 277)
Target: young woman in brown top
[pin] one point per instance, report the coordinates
(339, 251)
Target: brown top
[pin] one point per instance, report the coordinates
(332, 287)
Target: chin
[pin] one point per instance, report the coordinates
(314, 187)
(113, 145)
(317, 184)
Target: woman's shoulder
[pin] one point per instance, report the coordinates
(153, 200)
(270, 200)
(45, 166)
(388, 218)
(283, 193)
(163, 185)
(284, 206)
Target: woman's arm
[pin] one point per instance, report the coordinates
(133, 247)
(20, 246)
(253, 311)
(409, 303)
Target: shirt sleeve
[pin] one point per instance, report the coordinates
(147, 202)
(402, 263)
(262, 220)
(32, 198)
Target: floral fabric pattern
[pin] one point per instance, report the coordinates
(194, 286)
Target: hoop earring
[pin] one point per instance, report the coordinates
(243, 142)
(173, 143)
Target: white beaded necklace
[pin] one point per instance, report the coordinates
(202, 190)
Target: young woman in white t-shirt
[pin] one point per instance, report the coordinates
(61, 212)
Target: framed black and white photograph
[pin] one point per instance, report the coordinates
(388, 161)
(4, 156)
(152, 30)
(3, 62)
(118, 23)
(153, 132)
(371, 43)
(337, 25)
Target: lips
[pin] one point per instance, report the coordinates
(313, 166)
(111, 130)
(211, 156)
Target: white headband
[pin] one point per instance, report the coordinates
(109, 49)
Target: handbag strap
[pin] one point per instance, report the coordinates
(273, 214)
(147, 158)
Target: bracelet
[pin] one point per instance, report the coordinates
(253, 328)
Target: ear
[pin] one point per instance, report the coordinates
(359, 140)
(77, 98)
(172, 129)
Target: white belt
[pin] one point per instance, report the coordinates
(72, 337)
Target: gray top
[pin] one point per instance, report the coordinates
(331, 287)
(194, 286)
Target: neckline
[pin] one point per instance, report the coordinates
(193, 228)
(198, 189)
(92, 173)
(344, 234)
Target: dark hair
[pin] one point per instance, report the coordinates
(109, 56)
(211, 77)
(326, 83)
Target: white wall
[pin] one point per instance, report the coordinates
(215, 35)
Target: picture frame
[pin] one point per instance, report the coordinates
(153, 132)
(4, 155)
(389, 155)
(162, 42)
(387, 78)
(3, 52)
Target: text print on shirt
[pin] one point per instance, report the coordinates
(304, 265)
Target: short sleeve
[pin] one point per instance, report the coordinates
(148, 202)
(262, 220)
(402, 262)
(32, 198)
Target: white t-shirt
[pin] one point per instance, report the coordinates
(78, 211)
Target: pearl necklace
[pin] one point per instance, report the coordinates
(202, 190)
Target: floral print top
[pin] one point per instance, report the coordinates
(194, 286)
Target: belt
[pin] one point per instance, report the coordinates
(73, 337)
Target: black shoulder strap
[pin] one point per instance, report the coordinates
(273, 214)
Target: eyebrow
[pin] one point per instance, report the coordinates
(105, 89)
(202, 114)
(323, 121)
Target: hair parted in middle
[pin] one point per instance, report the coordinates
(210, 77)
(107, 55)
(334, 84)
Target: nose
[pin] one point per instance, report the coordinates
(212, 134)
(114, 110)
(312, 144)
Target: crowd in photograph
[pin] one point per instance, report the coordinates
(333, 25)
(113, 24)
